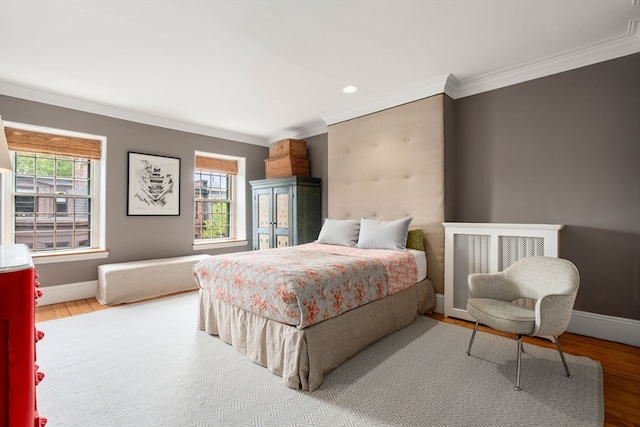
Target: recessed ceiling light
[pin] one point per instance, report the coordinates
(350, 89)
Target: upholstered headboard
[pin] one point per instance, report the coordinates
(389, 165)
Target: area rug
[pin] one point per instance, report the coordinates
(147, 364)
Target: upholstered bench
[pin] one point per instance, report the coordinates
(139, 280)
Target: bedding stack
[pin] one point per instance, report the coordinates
(287, 157)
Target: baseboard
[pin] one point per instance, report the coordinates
(618, 329)
(610, 328)
(69, 292)
(439, 304)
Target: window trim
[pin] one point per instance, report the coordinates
(98, 189)
(239, 193)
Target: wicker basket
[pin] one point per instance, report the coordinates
(288, 147)
(282, 166)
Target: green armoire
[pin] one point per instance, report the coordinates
(286, 211)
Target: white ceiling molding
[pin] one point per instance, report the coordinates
(451, 86)
(627, 44)
(316, 128)
(36, 95)
(428, 88)
(634, 27)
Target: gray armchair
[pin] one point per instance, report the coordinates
(534, 296)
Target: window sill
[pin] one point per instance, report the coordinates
(54, 257)
(229, 243)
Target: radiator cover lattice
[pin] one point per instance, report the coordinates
(518, 247)
(472, 254)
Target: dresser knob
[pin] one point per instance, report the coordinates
(39, 376)
(38, 293)
(39, 335)
(43, 421)
(37, 284)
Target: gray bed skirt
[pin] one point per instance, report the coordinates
(302, 357)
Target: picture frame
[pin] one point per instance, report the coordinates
(153, 185)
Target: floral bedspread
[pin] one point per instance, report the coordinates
(306, 284)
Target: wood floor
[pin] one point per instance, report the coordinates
(620, 363)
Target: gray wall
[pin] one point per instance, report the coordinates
(564, 149)
(132, 238)
(317, 150)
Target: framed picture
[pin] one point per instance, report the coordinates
(153, 187)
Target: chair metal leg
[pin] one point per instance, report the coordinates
(473, 335)
(517, 387)
(564, 362)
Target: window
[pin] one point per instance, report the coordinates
(218, 214)
(54, 190)
(213, 205)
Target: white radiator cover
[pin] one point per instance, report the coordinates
(488, 248)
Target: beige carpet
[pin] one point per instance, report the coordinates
(146, 364)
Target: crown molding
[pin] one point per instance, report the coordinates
(428, 88)
(634, 26)
(451, 86)
(50, 98)
(624, 45)
(312, 129)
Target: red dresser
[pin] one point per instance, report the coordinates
(19, 374)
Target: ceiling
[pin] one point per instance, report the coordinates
(258, 71)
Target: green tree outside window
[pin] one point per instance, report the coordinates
(218, 225)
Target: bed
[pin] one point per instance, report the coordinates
(302, 311)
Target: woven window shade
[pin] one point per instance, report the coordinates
(230, 167)
(59, 145)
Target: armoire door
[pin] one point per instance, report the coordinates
(263, 218)
(283, 221)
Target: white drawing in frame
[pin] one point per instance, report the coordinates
(154, 185)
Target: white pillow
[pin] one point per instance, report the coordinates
(376, 234)
(342, 232)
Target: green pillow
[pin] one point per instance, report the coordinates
(415, 239)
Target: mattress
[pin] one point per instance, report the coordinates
(421, 261)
